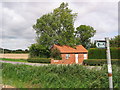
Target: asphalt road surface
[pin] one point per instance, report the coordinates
(41, 64)
(33, 64)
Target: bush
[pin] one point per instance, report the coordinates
(39, 60)
(37, 50)
(100, 62)
(55, 53)
(96, 53)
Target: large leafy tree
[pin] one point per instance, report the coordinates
(84, 34)
(56, 27)
(45, 29)
(115, 42)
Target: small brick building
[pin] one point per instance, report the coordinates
(70, 55)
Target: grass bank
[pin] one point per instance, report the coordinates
(14, 60)
(58, 76)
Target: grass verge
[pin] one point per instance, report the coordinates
(58, 76)
(14, 60)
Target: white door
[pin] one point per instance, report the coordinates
(76, 58)
(85, 56)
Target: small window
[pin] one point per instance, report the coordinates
(67, 56)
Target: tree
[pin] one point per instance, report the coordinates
(83, 35)
(115, 42)
(56, 27)
(92, 45)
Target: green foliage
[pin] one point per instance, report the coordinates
(59, 76)
(55, 53)
(115, 42)
(96, 53)
(84, 33)
(37, 50)
(14, 60)
(92, 45)
(56, 27)
(39, 60)
(94, 62)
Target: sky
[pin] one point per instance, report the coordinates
(18, 16)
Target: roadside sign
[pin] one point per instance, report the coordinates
(100, 44)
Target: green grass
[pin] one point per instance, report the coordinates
(58, 76)
(0, 76)
(14, 60)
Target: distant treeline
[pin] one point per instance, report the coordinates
(13, 51)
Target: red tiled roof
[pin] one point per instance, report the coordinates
(68, 49)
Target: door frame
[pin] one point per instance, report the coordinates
(76, 58)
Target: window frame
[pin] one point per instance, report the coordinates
(67, 56)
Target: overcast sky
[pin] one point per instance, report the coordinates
(17, 18)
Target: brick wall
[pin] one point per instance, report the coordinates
(70, 60)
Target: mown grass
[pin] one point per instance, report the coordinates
(58, 76)
(14, 60)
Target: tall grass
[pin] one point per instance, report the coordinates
(58, 76)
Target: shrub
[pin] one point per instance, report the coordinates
(96, 53)
(39, 60)
(100, 61)
(55, 53)
(37, 50)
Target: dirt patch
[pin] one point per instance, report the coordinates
(5, 86)
(94, 67)
(14, 56)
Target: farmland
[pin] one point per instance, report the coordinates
(57, 76)
(14, 56)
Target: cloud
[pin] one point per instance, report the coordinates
(16, 43)
(102, 16)
(18, 18)
(61, 0)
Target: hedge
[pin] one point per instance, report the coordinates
(39, 60)
(98, 62)
(96, 53)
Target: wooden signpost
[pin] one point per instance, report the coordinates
(105, 44)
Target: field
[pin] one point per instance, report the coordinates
(58, 76)
(14, 56)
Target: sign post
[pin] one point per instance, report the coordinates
(105, 44)
(109, 63)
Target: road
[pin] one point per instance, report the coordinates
(41, 64)
(33, 64)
